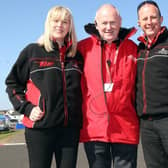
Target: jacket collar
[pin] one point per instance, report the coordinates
(67, 45)
(124, 33)
(160, 35)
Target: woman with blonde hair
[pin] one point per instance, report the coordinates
(44, 85)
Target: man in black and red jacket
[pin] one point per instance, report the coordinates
(152, 85)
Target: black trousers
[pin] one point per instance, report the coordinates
(42, 144)
(104, 155)
(154, 138)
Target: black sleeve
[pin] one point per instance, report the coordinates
(16, 83)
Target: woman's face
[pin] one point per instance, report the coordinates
(59, 29)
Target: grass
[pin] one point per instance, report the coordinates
(5, 134)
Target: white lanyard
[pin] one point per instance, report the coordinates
(109, 86)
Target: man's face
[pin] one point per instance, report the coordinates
(108, 24)
(149, 20)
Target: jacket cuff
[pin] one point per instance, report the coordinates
(27, 109)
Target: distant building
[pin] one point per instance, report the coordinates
(3, 111)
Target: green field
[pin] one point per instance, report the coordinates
(5, 134)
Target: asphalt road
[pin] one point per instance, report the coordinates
(13, 154)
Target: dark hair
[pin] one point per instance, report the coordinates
(149, 2)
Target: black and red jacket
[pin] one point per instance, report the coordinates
(152, 76)
(41, 78)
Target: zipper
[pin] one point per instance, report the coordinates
(108, 71)
(105, 98)
(143, 83)
(62, 60)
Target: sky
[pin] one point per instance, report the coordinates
(22, 22)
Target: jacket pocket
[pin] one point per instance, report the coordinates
(42, 104)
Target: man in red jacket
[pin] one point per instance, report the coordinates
(111, 129)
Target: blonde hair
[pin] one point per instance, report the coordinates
(59, 12)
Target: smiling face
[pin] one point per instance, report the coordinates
(58, 23)
(59, 28)
(108, 22)
(149, 20)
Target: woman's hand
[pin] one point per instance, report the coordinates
(36, 114)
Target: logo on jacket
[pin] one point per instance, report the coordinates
(163, 51)
(45, 64)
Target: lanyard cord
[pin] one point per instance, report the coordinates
(108, 65)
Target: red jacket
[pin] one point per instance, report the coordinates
(109, 116)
